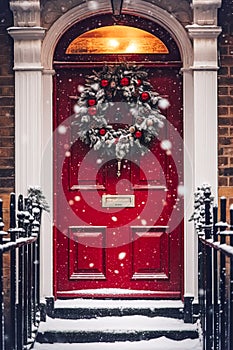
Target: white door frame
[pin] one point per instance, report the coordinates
(34, 83)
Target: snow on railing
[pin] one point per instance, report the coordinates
(22, 242)
(215, 270)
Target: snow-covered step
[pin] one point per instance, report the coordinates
(154, 344)
(89, 308)
(112, 329)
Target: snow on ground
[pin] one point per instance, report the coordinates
(116, 324)
(155, 344)
(109, 304)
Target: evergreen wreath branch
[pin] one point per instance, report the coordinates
(126, 84)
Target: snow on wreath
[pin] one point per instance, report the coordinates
(102, 90)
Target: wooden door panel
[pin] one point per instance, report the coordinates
(148, 172)
(87, 258)
(84, 176)
(150, 254)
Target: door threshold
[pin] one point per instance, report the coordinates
(118, 293)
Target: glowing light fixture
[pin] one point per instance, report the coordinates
(113, 43)
(116, 39)
(116, 7)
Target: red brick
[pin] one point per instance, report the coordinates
(223, 71)
(222, 161)
(6, 101)
(7, 182)
(7, 131)
(226, 121)
(226, 60)
(225, 141)
(223, 131)
(7, 121)
(7, 142)
(222, 111)
(6, 152)
(7, 90)
(221, 91)
(228, 151)
(7, 162)
(226, 81)
(220, 151)
(226, 100)
(223, 181)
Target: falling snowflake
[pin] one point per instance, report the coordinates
(92, 5)
(163, 103)
(80, 88)
(181, 190)
(114, 218)
(121, 255)
(166, 145)
(62, 129)
(76, 109)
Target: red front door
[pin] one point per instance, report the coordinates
(118, 235)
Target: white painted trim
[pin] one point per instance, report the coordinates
(138, 7)
(180, 36)
(30, 90)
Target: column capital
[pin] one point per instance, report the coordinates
(205, 11)
(203, 32)
(26, 13)
(26, 33)
(27, 47)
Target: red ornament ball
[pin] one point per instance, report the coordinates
(145, 96)
(104, 82)
(124, 81)
(91, 102)
(139, 82)
(92, 111)
(102, 132)
(138, 134)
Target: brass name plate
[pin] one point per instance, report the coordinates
(118, 201)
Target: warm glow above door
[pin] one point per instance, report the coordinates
(117, 39)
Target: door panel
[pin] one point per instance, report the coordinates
(109, 249)
(150, 254)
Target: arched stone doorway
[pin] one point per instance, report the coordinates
(34, 82)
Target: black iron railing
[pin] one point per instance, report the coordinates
(215, 264)
(22, 243)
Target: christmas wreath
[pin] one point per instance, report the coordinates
(126, 84)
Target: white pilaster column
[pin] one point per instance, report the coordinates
(204, 33)
(28, 102)
(205, 105)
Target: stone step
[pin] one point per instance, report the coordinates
(92, 308)
(161, 343)
(114, 329)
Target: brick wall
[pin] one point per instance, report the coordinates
(6, 105)
(225, 102)
(6, 131)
